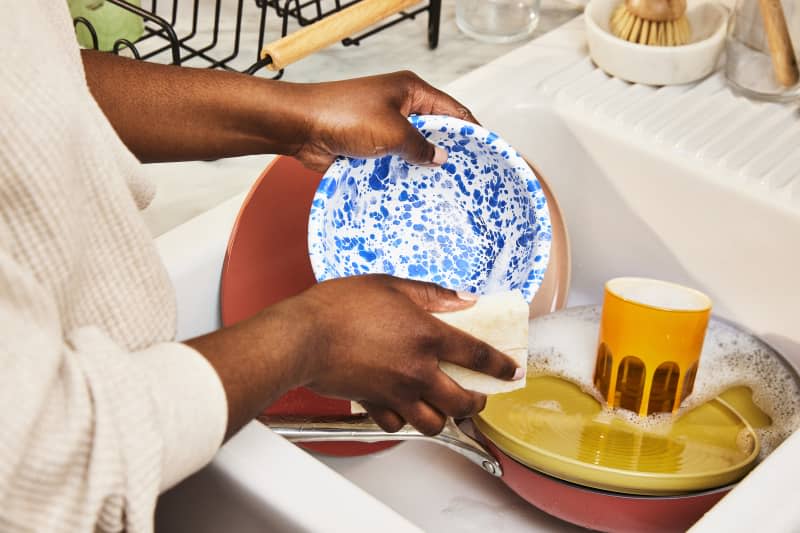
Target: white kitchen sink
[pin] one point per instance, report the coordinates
(638, 200)
(630, 211)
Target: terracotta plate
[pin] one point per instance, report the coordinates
(267, 261)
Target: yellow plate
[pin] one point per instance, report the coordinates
(554, 427)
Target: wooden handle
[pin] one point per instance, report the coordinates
(780, 45)
(329, 30)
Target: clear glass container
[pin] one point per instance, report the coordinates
(497, 21)
(749, 65)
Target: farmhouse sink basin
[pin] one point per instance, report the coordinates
(687, 184)
(631, 210)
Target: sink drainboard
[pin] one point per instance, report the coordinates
(755, 143)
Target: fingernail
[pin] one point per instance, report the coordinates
(468, 296)
(519, 373)
(439, 155)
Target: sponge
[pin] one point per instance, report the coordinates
(500, 320)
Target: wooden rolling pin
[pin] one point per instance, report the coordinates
(784, 62)
(329, 30)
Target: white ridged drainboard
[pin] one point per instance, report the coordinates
(756, 144)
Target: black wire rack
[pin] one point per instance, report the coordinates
(199, 34)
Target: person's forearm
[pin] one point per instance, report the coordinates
(260, 359)
(168, 113)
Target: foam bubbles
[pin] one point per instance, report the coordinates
(565, 344)
(744, 441)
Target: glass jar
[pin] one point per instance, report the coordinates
(749, 66)
(497, 21)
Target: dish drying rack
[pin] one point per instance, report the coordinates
(165, 38)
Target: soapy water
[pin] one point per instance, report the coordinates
(550, 405)
(565, 343)
(744, 441)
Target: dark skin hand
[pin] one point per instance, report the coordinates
(366, 338)
(169, 113)
(369, 338)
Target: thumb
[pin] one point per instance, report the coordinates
(433, 298)
(417, 150)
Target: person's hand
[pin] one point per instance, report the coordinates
(365, 338)
(368, 117)
(223, 114)
(375, 341)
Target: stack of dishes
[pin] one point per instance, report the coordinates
(554, 427)
(485, 221)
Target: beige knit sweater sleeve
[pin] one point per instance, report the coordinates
(99, 409)
(91, 433)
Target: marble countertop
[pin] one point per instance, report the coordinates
(405, 46)
(188, 189)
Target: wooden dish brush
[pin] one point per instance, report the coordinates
(651, 22)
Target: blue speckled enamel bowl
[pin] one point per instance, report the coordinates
(478, 223)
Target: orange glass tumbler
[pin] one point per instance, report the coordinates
(651, 337)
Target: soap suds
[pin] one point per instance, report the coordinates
(565, 344)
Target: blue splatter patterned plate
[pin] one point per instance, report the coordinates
(479, 222)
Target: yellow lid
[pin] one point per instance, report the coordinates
(554, 427)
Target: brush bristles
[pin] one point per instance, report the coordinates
(628, 26)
